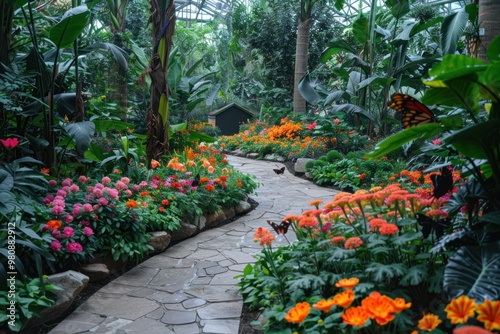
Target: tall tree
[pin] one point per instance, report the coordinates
(302, 47)
(489, 12)
(163, 21)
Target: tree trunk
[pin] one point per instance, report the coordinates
(6, 17)
(163, 20)
(489, 12)
(299, 104)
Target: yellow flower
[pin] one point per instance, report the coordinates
(460, 309)
(298, 313)
(429, 322)
(489, 314)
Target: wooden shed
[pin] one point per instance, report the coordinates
(229, 118)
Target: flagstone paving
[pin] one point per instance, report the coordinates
(190, 287)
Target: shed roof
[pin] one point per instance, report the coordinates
(233, 104)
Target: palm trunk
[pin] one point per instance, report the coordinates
(299, 104)
(489, 11)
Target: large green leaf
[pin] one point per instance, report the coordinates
(399, 8)
(493, 52)
(103, 125)
(81, 133)
(453, 67)
(72, 24)
(376, 82)
(306, 89)
(118, 53)
(360, 29)
(6, 181)
(451, 30)
(408, 26)
(336, 46)
(461, 93)
(399, 139)
(475, 272)
(351, 109)
(473, 140)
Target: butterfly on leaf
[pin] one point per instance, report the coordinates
(443, 183)
(428, 225)
(412, 111)
(282, 228)
(279, 171)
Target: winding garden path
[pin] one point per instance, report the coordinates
(189, 288)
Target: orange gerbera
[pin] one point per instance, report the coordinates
(298, 313)
(324, 305)
(355, 316)
(489, 314)
(460, 309)
(347, 283)
(429, 322)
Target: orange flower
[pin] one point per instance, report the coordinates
(144, 193)
(429, 322)
(388, 229)
(131, 204)
(379, 307)
(460, 309)
(45, 171)
(400, 305)
(376, 223)
(489, 313)
(155, 163)
(298, 313)
(54, 224)
(315, 203)
(209, 188)
(355, 316)
(339, 239)
(354, 242)
(324, 305)
(347, 283)
(164, 202)
(471, 330)
(308, 221)
(344, 299)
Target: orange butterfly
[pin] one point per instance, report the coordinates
(413, 112)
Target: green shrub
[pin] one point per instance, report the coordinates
(333, 155)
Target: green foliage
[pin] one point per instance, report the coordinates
(30, 298)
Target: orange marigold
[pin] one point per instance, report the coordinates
(131, 204)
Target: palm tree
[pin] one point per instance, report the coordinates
(489, 11)
(302, 47)
(163, 20)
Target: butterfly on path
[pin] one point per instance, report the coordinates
(196, 181)
(282, 228)
(428, 225)
(279, 171)
(443, 183)
(412, 111)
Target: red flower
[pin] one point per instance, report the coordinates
(10, 143)
(311, 126)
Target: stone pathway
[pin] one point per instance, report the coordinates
(190, 287)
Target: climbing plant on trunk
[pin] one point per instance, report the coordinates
(163, 20)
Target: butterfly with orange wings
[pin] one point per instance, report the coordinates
(413, 112)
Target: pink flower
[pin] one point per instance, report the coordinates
(99, 186)
(68, 218)
(74, 247)
(143, 184)
(106, 180)
(66, 182)
(120, 185)
(113, 193)
(82, 179)
(10, 143)
(85, 223)
(52, 183)
(125, 180)
(61, 193)
(136, 187)
(311, 126)
(57, 210)
(48, 199)
(55, 245)
(128, 193)
(68, 232)
(73, 188)
(97, 192)
(87, 231)
(56, 234)
(87, 207)
(436, 141)
(336, 121)
(103, 201)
